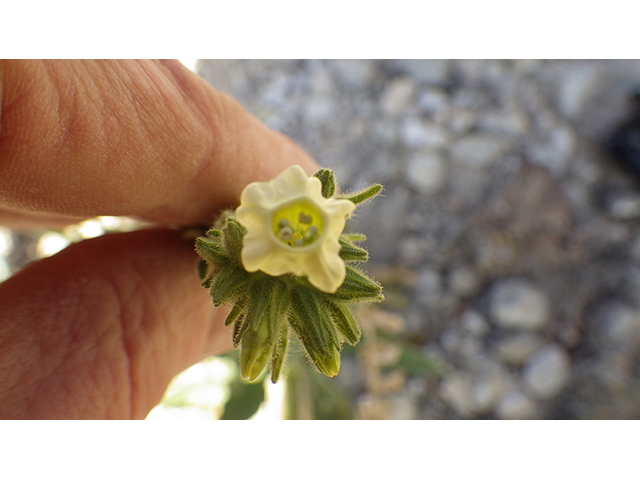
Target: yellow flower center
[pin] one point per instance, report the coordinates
(298, 223)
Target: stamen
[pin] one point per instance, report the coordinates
(286, 233)
(310, 234)
(305, 219)
(298, 224)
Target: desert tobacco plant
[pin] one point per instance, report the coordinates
(283, 263)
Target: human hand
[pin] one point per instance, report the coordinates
(99, 329)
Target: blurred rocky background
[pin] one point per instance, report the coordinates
(507, 238)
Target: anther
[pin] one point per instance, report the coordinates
(286, 233)
(311, 233)
(305, 219)
(283, 223)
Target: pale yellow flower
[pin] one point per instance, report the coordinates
(292, 228)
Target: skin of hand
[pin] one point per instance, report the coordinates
(98, 330)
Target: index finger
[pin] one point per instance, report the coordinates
(138, 138)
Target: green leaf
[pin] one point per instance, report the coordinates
(238, 329)
(357, 286)
(234, 313)
(233, 235)
(229, 284)
(352, 253)
(266, 307)
(211, 251)
(353, 237)
(280, 353)
(364, 194)
(328, 179)
(346, 323)
(203, 267)
(314, 327)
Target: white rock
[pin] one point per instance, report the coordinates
(619, 323)
(384, 131)
(397, 95)
(515, 405)
(426, 172)
(461, 121)
(554, 151)
(474, 323)
(515, 350)
(624, 205)
(403, 408)
(479, 150)
(516, 303)
(488, 388)
(457, 390)
(433, 101)
(355, 72)
(576, 85)
(474, 393)
(416, 132)
(463, 281)
(319, 109)
(547, 371)
(428, 287)
(430, 71)
(507, 121)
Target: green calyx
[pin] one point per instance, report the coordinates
(268, 312)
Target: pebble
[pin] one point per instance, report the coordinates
(554, 151)
(479, 150)
(426, 172)
(473, 322)
(575, 88)
(320, 109)
(516, 303)
(433, 101)
(488, 388)
(463, 281)
(434, 72)
(623, 205)
(515, 405)
(512, 122)
(428, 287)
(355, 73)
(416, 132)
(618, 323)
(403, 408)
(457, 390)
(461, 121)
(475, 393)
(397, 95)
(516, 349)
(547, 372)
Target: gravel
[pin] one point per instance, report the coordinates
(507, 237)
(515, 303)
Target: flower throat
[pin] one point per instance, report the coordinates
(297, 224)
